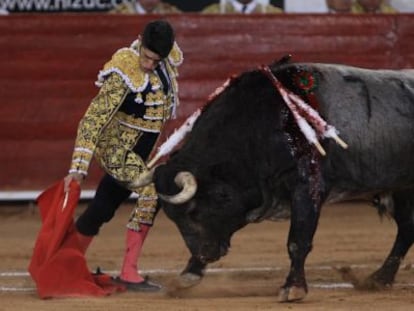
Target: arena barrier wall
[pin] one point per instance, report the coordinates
(49, 64)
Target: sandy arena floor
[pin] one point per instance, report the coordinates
(246, 279)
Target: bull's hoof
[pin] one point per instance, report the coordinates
(292, 294)
(371, 284)
(188, 279)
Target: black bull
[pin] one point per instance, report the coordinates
(248, 160)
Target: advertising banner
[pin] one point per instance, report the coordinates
(49, 6)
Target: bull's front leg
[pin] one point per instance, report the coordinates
(193, 273)
(304, 220)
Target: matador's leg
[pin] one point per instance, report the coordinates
(146, 208)
(126, 166)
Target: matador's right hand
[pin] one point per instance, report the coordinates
(79, 178)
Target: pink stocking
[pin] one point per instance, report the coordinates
(134, 242)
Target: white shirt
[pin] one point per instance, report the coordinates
(308, 6)
(250, 7)
(139, 8)
(403, 5)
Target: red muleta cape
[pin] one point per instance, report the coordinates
(58, 266)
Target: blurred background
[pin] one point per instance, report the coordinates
(52, 50)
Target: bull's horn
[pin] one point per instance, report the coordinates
(143, 180)
(187, 182)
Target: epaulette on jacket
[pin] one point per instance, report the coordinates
(125, 62)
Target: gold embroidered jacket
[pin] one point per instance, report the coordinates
(128, 103)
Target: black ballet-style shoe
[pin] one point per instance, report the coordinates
(144, 286)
